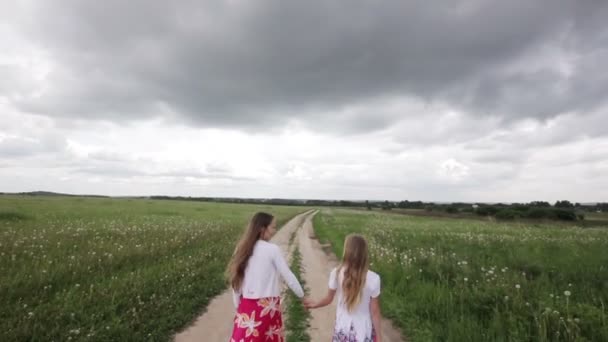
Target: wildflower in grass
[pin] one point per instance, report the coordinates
(567, 293)
(466, 279)
(517, 286)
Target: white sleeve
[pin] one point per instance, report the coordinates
(333, 280)
(236, 298)
(288, 276)
(376, 288)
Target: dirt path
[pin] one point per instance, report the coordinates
(317, 265)
(215, 324)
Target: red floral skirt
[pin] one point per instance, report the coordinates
(258, 320)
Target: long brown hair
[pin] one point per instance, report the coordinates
(355, 262)
(244, 249)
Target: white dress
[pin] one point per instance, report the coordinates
(355, 326)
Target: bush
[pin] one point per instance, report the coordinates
(565, 215)
(552, 213)
(520, 208)
(507, 214)
(487, 211)
(539, 213)
(451, 210)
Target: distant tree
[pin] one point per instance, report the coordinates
(451, 209)
(539, 213)
(540, 204)
(564, 204)
(369, 207)
(410, 205)
(507, 214)
(520, 207)
(566, 215)
(387, 205)
(487, 210)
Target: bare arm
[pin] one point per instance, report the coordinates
(329, 297)
(376, 317)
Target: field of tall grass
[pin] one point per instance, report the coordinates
(112, 269)
(467, 280)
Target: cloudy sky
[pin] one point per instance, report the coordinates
(476, 101)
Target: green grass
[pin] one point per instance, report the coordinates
(12, 216)
(296, 324)
(468, 280)
(112, 269)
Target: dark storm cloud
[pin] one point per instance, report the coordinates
(248, 64)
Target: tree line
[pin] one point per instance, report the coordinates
(560, 210)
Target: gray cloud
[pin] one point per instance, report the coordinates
(116, 165)
(20, 147)
(476, 100)
(245, 66)
(122, 171)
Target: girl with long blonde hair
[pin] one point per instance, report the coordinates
(254, 273)
(358, 311)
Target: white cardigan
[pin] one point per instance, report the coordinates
(262, 274)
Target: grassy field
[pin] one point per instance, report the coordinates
(469, 280)
(112, 269)
(603, 216)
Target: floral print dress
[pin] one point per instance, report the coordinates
(258, 320)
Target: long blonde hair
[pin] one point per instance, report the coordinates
(355, 262)
(244, 249)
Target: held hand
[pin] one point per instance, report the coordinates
(308, 304)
